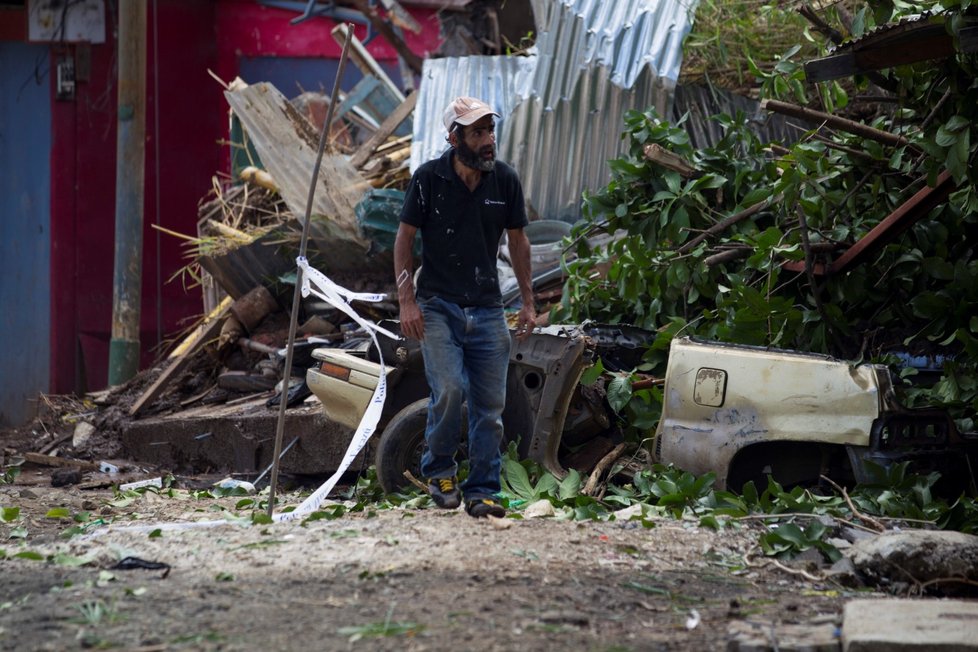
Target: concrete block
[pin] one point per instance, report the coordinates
(892, 625)
(240, 439)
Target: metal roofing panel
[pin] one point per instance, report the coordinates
(563, 106)
(700, 103)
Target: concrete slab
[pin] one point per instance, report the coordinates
(240, 439)
(918, 625)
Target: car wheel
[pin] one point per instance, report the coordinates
(402, 444)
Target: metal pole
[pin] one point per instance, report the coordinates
(296, 295)
(129, 175)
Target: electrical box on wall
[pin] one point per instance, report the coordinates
(65, 89)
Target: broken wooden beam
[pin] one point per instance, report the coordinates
(384, 28)
(387, 127)
(902, 218)
(207, 331)
(364, 61)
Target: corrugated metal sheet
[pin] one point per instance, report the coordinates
(563, 106)
(25, 233)
(702, 102)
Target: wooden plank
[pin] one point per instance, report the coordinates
(911, 211)
(387, 31)
(831, 67)
(386, 129)
(63, 462)
(902, 218)
(209, 330)
(357, 95)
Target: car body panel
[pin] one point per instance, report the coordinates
(720, 398)
(344, 401)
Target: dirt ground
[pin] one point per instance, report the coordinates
(394, 579)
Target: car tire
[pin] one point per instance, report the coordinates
(402, 444)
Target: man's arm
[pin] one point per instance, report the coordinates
(519, 253)
(412, 322)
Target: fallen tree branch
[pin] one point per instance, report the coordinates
(646, 383)
(729, 255)
(855, 512)
(725, 224)
(600, 468)
(837, 38)
(810, 265)
(843, 124)
(793, 515)
(772, 562)
(413, 480)
(662, 156)
(820, 25)
(946, 580)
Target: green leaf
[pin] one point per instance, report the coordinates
(29, 554)
(547, 485)
(9, 514)
(570, 486)
(517, 479)
(619, 392)
(592, 373)
(58, 512)
(957, 123)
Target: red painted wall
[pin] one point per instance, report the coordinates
(83, 190)
(193, 36)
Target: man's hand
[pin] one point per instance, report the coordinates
(526, 321)
(412, 321)
(519, 253)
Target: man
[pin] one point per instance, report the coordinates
(462, 202)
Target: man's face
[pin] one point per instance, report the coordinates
(475, 145)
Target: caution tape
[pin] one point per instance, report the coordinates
(318, 284)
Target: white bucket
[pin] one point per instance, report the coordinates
(545, 242)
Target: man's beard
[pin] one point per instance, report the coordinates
(473, 159)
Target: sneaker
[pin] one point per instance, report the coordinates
(482, 507)
(445, 493)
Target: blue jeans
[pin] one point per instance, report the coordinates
(466, 357)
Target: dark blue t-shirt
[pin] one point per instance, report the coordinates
(460, 229)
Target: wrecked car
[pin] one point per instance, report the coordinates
(740, 412)
(746, 412)
(552, 418)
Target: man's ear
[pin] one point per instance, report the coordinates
(453, 138)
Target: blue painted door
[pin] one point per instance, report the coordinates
(25, 218)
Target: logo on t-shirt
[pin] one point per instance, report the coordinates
(493, 202)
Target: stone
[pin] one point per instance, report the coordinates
(83, 432)
(916, 556)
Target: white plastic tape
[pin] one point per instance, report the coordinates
(338, 297)
(316, 283)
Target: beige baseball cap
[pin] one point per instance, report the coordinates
(465, 111)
